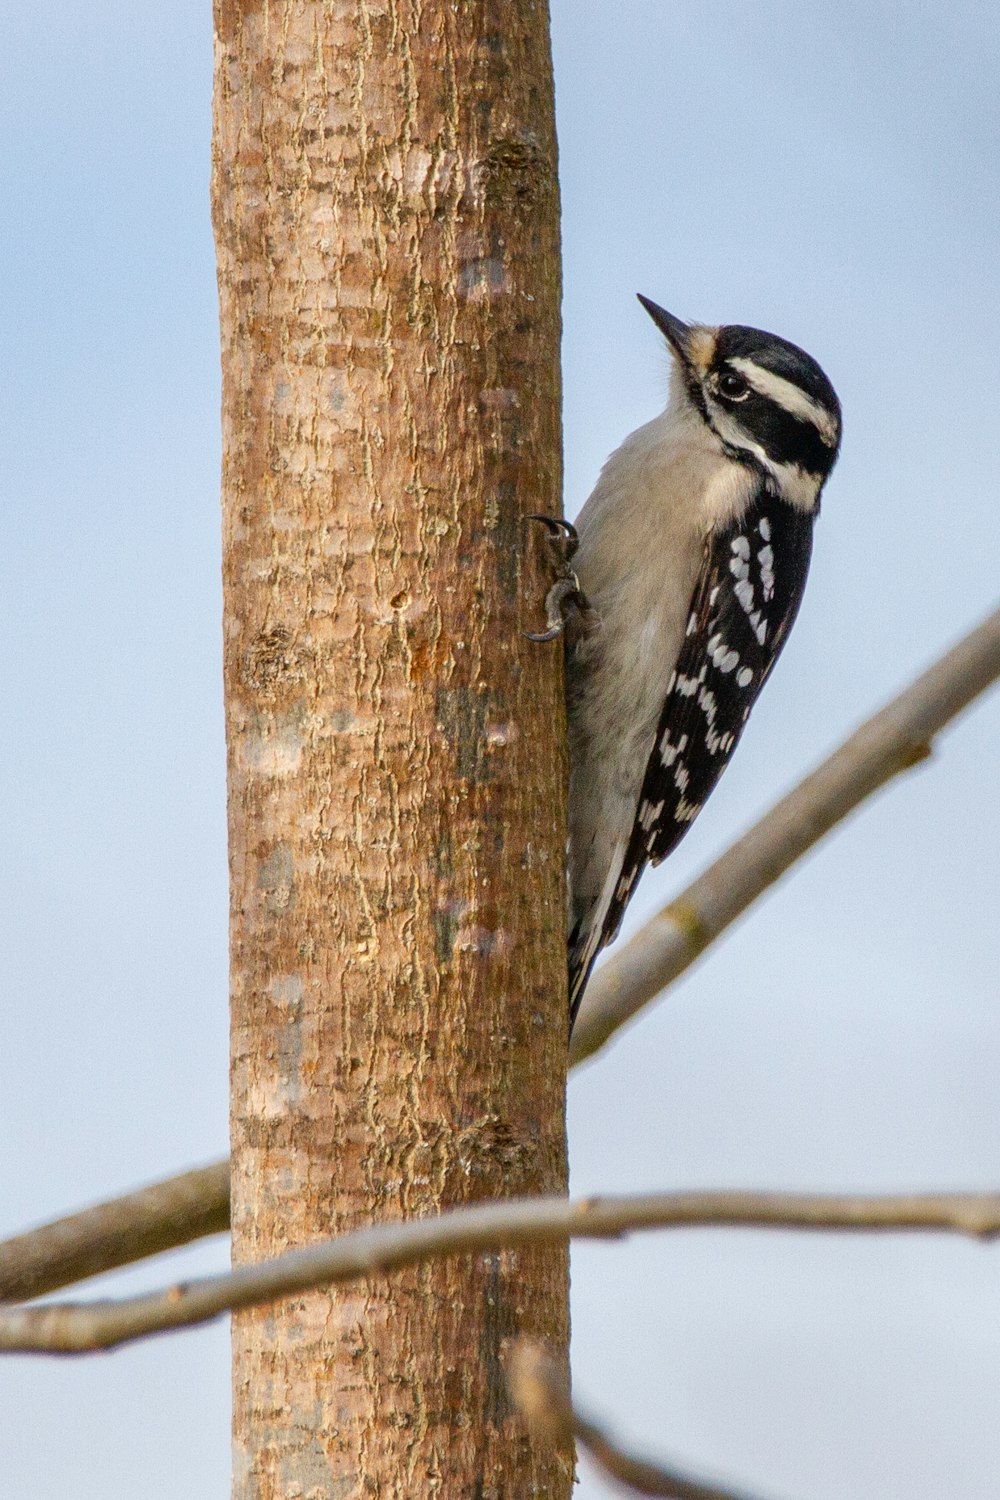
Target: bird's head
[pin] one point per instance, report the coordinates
(768, 402)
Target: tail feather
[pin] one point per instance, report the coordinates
(589, 935)
(583, 951)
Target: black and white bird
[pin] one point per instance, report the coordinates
(692, 558)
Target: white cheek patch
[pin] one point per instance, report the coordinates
(794, 484)
(798, 486)
(788, 395)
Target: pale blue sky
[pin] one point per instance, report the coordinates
(825, 172)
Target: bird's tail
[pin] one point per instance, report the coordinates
(584, 946)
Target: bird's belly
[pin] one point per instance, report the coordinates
(615, 703)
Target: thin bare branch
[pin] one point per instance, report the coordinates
(73, 1328)
(894, 739)
(640, 1475)
(897, 737)
(159, 1217)
(544, 1401)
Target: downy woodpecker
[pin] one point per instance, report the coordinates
(692, 558)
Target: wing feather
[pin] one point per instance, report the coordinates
(744, 604)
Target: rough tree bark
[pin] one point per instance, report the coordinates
(385, 210)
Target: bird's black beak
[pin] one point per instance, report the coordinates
(677, 334)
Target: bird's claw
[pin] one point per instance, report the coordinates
(566, 592)
(563, 536)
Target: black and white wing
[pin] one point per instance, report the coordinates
(744, 604)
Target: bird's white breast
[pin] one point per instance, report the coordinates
(642, 535)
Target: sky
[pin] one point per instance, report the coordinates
(828, 173)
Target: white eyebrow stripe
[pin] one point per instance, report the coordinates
(788, 395)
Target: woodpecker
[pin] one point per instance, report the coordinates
(688, 565)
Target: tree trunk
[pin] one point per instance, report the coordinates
(385, 208)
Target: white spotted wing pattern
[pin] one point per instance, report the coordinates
(745, 601)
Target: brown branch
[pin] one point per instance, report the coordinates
(159, 1217)
(544, 1401)
(897, 737)
(894, 739)
(73, 1328)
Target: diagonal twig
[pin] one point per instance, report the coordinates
(897, 737)
(155, 1218)
(543, 1398)
(68, 1328)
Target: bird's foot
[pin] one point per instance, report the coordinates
(565, 593)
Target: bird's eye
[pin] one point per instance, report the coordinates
(733, 386)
